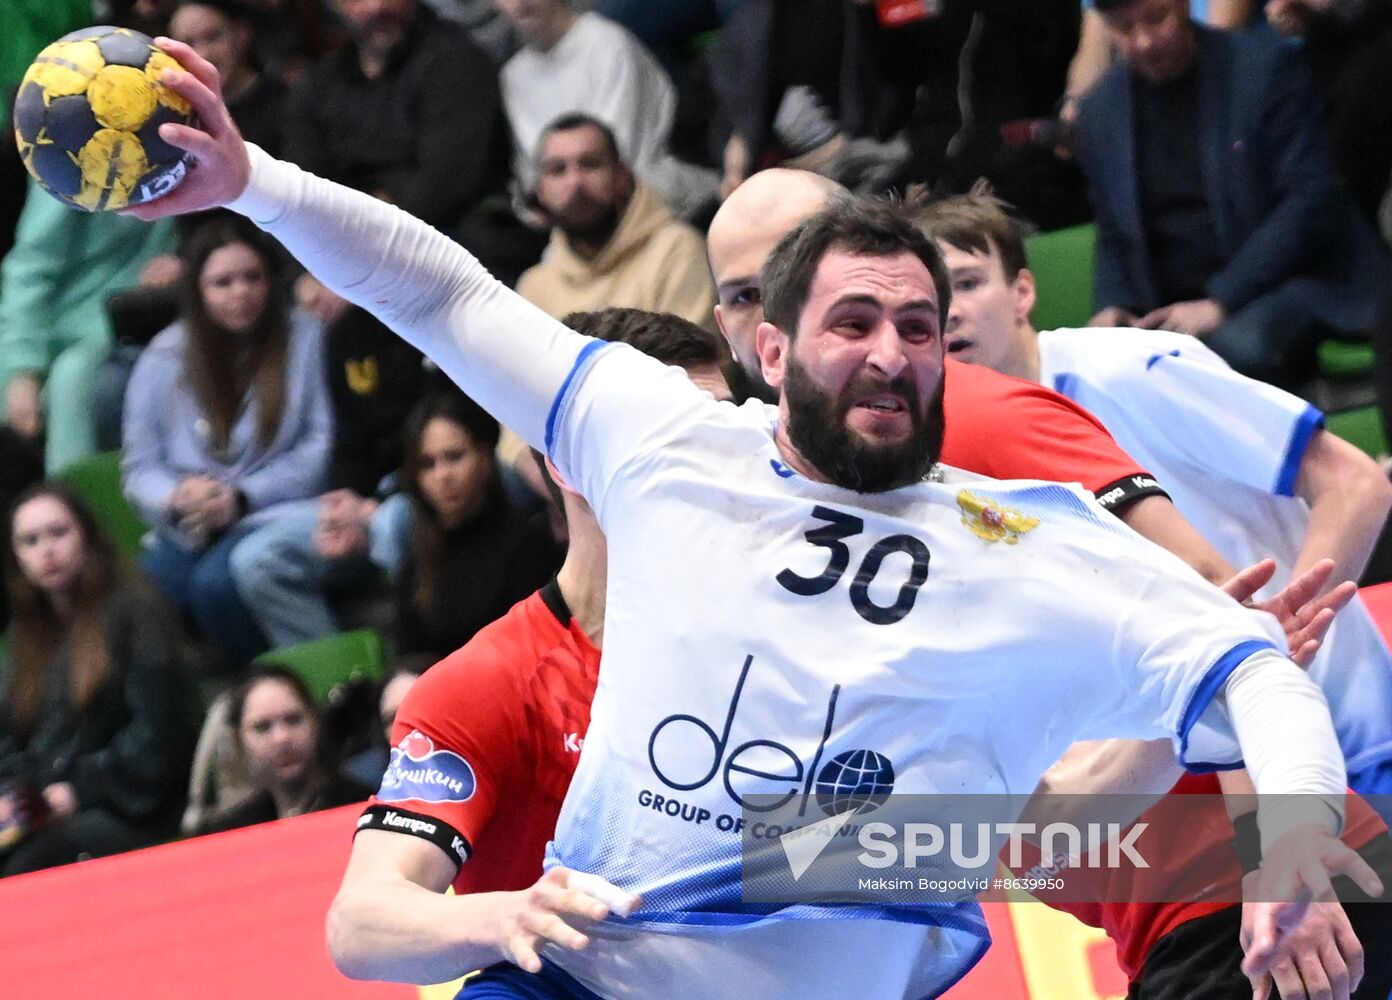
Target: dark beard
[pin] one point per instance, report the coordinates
(817, 429)
(595, 231)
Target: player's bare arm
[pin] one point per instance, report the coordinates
(391, 919)
(1349, 498)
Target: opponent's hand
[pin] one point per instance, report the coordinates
(1304, 613)
(1321, 959)
(555, 911)
(220, 168)
(1295, 872)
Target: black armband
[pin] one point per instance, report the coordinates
(438, 832)
(1247, 842)
(1115, 497)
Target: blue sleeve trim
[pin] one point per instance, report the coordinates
(1203, 696)
(1310, 421)
(581, 360)
(1066, 384)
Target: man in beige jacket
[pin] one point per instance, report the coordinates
(614, 242)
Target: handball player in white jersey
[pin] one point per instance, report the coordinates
(788, 592)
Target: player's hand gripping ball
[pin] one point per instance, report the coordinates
(87, 120)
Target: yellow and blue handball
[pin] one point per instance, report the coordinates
(87, 120)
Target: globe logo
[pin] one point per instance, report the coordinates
(856, 781)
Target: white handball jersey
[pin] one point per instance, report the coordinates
(1228, 450)
(760, 624)
(764, 631)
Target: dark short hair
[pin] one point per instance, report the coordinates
(975, 222)
(572, 120)
(859, 226)
(668, 338)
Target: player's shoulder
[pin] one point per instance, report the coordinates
(1101, 355)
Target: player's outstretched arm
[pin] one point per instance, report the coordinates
(505, 353)
(391, 920)
(1349, 498)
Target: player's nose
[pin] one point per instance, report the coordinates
(885, 349)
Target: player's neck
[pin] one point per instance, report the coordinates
(582, 579)
(1024, 363)
(1029, 353)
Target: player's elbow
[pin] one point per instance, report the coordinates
(341, 934)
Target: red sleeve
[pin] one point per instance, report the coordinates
(455, 740)
(1007, 428)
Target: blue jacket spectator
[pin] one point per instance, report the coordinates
(1219, 210)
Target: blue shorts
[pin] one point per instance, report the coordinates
(507, 982)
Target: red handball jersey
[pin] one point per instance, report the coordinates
(1193, 865)
(1007, 428)
(486, 742)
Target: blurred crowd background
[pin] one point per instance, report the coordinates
(243, 516)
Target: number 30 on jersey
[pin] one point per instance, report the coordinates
(832, 537)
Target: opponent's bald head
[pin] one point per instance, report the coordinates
(759, 213)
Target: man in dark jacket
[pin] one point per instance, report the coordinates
(1219, 210)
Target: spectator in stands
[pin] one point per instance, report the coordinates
(574, 61)
(285, 570)
(408, 110)
(222, 32)
(227, 419)
(367, 766)
(97, 713)
(469, 554)
(277, 728)
(613, 242)
(1349, 45)
(1219, 212)
(54, 328)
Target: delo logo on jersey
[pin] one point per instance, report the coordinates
(686, 753)
(419, 772)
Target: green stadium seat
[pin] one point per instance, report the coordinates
(1361, 427)
(1342, 359)
(332, 660)
(1062, 263)
(97, 479)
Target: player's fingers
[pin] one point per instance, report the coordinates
(521, 948)
(550, 927)
(212, 113)
(1317, 978)
(1337, 971)
(1248, 581)
(1262, 950)
(1348, 862)
(187, 57)
(1337, 598)
(618, 901)
(1261, 986)
(1303, 653)
(194, 141)
(1351, 949)
(1288, 982)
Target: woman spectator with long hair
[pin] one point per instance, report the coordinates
(98, 714)
(277, 731)
(227, 417)
(471, 555)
